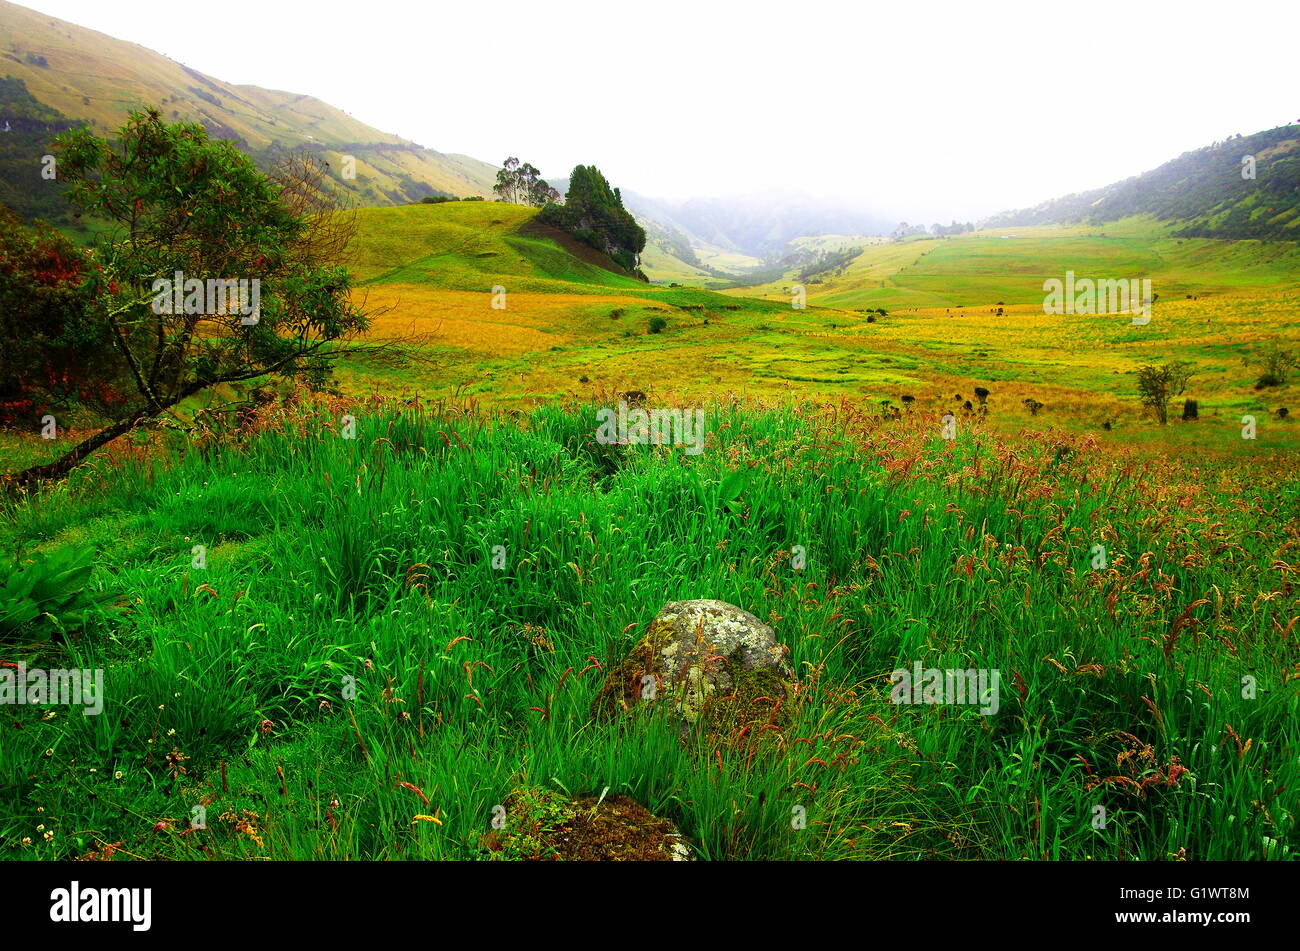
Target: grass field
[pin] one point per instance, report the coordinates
(349, 670)
(369, 562)
(570, 328)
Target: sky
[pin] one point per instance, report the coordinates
(925, 112)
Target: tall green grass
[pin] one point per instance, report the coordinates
(433, 603)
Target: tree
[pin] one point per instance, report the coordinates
(1158, 385)
(593, 213)
(522, 184)
(212, 273)
(507, 186)
(1277, 365)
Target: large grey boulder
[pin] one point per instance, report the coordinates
(703, 660)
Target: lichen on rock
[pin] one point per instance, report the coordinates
(707, 662)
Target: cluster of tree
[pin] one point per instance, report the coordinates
(828, 262)
(593, 213)
(904, 230)
(955, 228)
(90, 324)
(440, 199)
(523, 185)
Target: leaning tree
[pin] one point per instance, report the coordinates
(188, 210)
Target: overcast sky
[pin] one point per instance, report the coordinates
(922, 110)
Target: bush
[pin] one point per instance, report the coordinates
(58, 348)
(1278, 364)
(1158, 385)
(657, 324)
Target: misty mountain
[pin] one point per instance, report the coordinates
(762, 224)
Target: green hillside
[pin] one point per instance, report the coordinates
(1010, 265)
(1243, 187)
(72, 74)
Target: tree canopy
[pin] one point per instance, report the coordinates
(212, 273)
(593, 212)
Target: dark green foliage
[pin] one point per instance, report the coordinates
(51, 596)
(593, 213)
(26, 185)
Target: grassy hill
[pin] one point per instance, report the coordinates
(1207, 193)
(80, 75)
(372, 562)
(572, 328)
(572, 320)
(1010, 265)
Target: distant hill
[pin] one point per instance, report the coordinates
(1201, 194)
(54, 74)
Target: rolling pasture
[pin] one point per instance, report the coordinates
(393, 629)
(572, 329)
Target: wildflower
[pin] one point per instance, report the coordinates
(41, 827)
(49, 836)
(49, 715)
(118, 774)
(27, 841)
(267, 727)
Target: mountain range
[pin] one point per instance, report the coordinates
(55, 75)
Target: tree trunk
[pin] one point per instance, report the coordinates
(61, 466)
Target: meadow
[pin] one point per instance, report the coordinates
(369, 561)
(351, 669)
(573, 330)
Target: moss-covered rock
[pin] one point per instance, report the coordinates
(541, 825)
(707, 662)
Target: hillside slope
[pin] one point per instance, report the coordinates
(76, 75)
(1244, 187)
(1009, 266)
